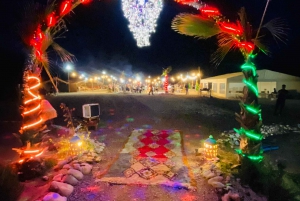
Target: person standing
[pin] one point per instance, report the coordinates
(150, 89)
(281, 97)
(186, 88)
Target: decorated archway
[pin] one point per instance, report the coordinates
(142, 16)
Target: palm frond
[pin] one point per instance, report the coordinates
(195, 25)
(226, 43)
(247, 34)
(33, 14)
(51, 5)
(262, 47)
(278, 28)
(167, 71)
(64, 55)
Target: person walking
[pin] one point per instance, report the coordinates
(281, 97)
(150, 89)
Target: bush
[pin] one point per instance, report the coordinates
(10, 187)
(264, 179)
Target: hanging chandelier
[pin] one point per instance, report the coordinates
(142, 16)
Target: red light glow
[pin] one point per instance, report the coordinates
(51, 20)
(210, 11)
(231, 28)
(85, 1)
(65, 8)
(247, 45)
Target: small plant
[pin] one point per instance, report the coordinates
(67, 148)
(72, 122)
(50, 162)
(68, 115)
(10, 187)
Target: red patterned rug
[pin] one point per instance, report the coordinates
(151, 157)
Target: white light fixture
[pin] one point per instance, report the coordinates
(142, 16)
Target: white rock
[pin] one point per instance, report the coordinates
(209, 175)
(77, 166)
(70, 179)
(86, 168)
(58, 177)
(54, 197)
(234, 197)
(67, 166)
(76, 173)
(226, 197)
(61, 188)
(217, 184)
(214, 179)
(63, 171)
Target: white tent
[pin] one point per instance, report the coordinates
(231, 85)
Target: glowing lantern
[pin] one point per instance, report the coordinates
(65, 8)
(210, 147)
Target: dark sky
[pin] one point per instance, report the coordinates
(99, 38)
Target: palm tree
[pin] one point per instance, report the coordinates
(166, 73)
(230, 36)
(39, 29)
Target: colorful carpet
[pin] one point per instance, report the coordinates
(151, 157)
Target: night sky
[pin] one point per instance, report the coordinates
(100, 39)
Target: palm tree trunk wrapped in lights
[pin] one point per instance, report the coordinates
(166, 82)
(210, 22)
(40, 27)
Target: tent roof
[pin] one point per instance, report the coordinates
(224, 76)
(262, 74)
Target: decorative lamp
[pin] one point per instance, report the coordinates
(210, 147)
(75, 145)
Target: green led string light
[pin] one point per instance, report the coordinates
(253, 110)
(251, 157)
(249, 66)
(252, 86)
(250, 134)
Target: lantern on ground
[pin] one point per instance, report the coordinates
(210, 147)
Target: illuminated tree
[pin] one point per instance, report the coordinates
(166, 82)
(231, 35)
(40, 27)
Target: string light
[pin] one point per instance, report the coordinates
(142, 16)
(210, 11)
(65, 8)
(252, 86)
(35, 97)
(251, 66)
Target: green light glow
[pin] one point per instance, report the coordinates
(252, 86)
(253, 135)
(252, 109)
(237, 131)
(256, 158)
(248, 66)
(249, 134)
(251, 157)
